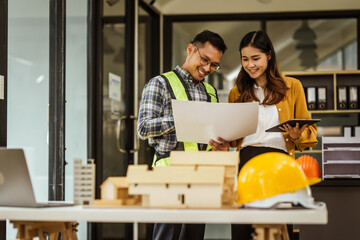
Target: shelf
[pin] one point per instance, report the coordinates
(346, 176)
(308, 151)
(334, 111)
(339, 161)
(342, 162)
(295, 73)
(339, 182)
(342, 149)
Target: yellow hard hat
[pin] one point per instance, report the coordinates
(271, 174)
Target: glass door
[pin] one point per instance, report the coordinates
(148, 67)
(126, 66)
(114, 104)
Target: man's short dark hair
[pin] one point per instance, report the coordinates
(209, 36)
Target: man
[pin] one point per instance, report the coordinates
(156, 121)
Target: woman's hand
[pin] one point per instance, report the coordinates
(294, 132)
(222, 146)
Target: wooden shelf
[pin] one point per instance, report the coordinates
(330, 80)
(339, 182)
(334, 111)
(308, 151)
(332, 116)
(292, 73)
(342, 162)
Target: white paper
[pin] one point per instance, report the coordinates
(353, 94)
(311, 94)
(201, 121)
(114, 86)
(322, 94)
(342, 94)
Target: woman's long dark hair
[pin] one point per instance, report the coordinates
(276, 88)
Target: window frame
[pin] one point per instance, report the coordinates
(262, 17)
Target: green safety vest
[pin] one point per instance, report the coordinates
(178, 91)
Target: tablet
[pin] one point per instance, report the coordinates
(293, 122)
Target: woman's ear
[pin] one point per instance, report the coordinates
(269, 55)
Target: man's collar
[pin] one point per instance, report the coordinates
(186, 76)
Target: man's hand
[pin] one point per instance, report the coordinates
(222, 146)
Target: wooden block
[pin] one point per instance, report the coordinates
(271, 231)
(133, 201)
(21, 231)
(204, 158)
(40, 234)
(54, 236)
(260, 233)
(71, 230)
(231, 171)
(27, 230)
(274, 233)
(54, 227)
(145, 202)
(30, 233)
(107, 203)
(138, 174)
(285, 234)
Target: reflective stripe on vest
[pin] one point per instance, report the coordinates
(211, 92)
(180, 93)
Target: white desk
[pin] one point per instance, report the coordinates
(221, 216)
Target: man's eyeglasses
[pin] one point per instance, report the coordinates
(204, 62)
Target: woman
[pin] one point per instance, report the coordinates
(281, 98)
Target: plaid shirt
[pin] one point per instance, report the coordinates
(156, 122)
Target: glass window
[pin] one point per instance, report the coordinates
(76, 95)
(231, 32)
(342, 59)
(332, 62)
(76, 91)
(313, 45)
(350, 56)
(28, 90)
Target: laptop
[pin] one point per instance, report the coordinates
(15, 183)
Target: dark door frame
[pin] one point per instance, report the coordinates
(57, 64)
(95, 98)
(3, 69)
(3, 72)
(154, 43)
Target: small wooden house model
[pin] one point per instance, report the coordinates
(177, 186)
(114, 192)
(229, 160)
(193, 180)
(114, 188)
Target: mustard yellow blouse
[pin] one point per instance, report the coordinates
(292, 106)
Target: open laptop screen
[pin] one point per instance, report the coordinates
(15, 183)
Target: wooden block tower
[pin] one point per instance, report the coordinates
(84, 182)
